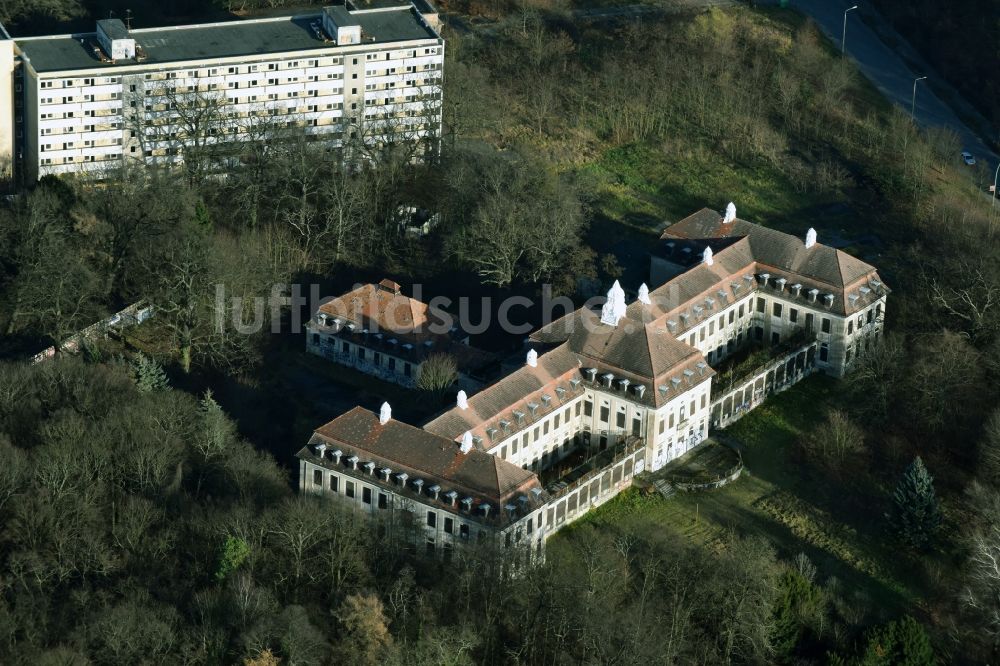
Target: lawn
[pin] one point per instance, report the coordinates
(642, 185)
(796, 509)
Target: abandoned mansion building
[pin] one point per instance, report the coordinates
(603, 396)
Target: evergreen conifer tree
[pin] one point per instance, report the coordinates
(149, 375)
(915, 513)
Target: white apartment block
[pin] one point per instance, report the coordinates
(345, 76)
(603, 396)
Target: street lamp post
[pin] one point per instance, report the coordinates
(913, 100)
(843, 35)
(995, 174)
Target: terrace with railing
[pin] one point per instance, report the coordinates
(746, 384)
(594, 481)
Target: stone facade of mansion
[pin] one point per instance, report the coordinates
(605, 395)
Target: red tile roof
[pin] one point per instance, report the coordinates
(378, 307)
(423, 454)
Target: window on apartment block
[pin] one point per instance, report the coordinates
(334, 483)
(793, 315)
(777, 309)
(576, 411)
(758, 333)
(366, 495)
(732, 316)
(555, 424)
(620, 420)
(432, 518)
(545, 428)
(463, 531)
(383, 501)
(605, 413)
(850, 326)
(775, 338)
(503, 452)
(318, 477)
(349, 489)
(824, 352)
(449, 524)
(637, 426)
(588, 408)
(513, 447)
(760, 305)
(826, 325)
(711, 327)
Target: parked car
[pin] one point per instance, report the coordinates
(968, 158)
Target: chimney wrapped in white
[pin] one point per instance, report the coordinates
(614, 307)
(462, 400)
(644, 294)
(532, 358)
(466, 443)
(706, 256)
(810, 238)
(730, 213)
(385, 414)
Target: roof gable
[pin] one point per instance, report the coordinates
(423, 452)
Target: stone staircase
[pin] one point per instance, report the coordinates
(665, 488)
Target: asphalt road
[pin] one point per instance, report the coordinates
(890, 74)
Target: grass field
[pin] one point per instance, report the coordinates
(642, 185)
(792, 506)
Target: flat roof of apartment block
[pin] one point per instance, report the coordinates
(223, 40)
